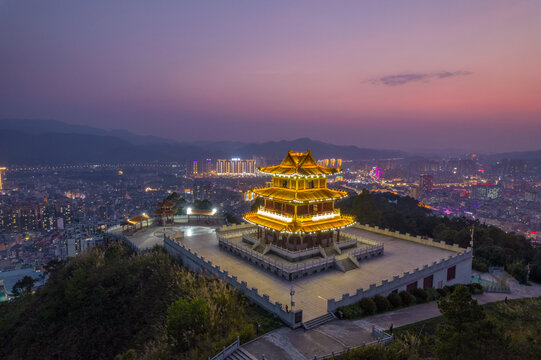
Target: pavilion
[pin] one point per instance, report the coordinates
(135, 223)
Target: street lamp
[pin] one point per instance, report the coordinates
(292, 292)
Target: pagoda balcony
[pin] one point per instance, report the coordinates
(320, 216)
(275, 215)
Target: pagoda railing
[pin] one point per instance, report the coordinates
(326, 214)
(274, 265)
(367, 251)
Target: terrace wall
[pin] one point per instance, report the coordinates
(198, 263)
(438, 269)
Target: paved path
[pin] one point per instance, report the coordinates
(299, 344)
(337, 335)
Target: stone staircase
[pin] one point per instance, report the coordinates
(241, 354)
(346, 264)
(330, 251)
(318, 321)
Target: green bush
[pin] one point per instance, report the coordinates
(368, 305)
(479, 264)
(432, 293)
(475, 288)
(518, 271)
(382, 304)
(395, 300)
(352, 311)
(407, 298)
(420, 295)
(449, 289)
(441, 292)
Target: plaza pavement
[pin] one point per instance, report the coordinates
(311, 292)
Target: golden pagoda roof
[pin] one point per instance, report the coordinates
(308, 195)
(299, 227)
(300, 164)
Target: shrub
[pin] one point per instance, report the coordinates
(449, 289)
(368, 305)
(441, 292)
(479, 264)
(420, 295)
(518, 271)
(395, 300)
(407, 298)
(352, 311)
(475, 288)
(432, 293)
(382, 304)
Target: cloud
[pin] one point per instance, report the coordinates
(401, 79)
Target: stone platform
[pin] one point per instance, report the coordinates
(312, 292)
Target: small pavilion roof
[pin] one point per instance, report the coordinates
(318, 194)
(136, 219)
(165, 204)
(298, 163)
(165, 211)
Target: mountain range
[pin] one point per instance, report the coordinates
(47, 142)
(33, 142)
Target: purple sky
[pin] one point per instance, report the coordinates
(383, 74)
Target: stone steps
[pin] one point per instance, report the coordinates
(318, 321)
(346, 264)
(241, 354)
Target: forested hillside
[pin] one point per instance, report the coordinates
(111, 304)
(492, 246)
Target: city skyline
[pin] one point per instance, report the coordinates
(461, 75)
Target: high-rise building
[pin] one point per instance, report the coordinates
(194, 168)
(426, 182)
(2, 170)
(486, 192)
(330, 162)
(235, 167)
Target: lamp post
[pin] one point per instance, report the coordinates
(292, 292)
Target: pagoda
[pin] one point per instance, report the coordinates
(298, 210)
(166, 212)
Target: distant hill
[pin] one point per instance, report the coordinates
(523, 155)
(34, 142)
(31, 126)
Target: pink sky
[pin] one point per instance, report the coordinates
(385, 74)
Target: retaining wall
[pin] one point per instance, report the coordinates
(198, 263)
(438, 269)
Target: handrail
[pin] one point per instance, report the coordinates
(277, 265)
(227, 350)
(386, 339)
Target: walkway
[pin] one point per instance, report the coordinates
(299, 344)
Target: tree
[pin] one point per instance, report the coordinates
(365, 209)
(23, 286)
(465, 332)
(259, 201)
(187, 321)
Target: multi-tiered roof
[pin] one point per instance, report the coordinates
(299, 202)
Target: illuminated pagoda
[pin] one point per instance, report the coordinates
(166, 212)
(298, 210)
